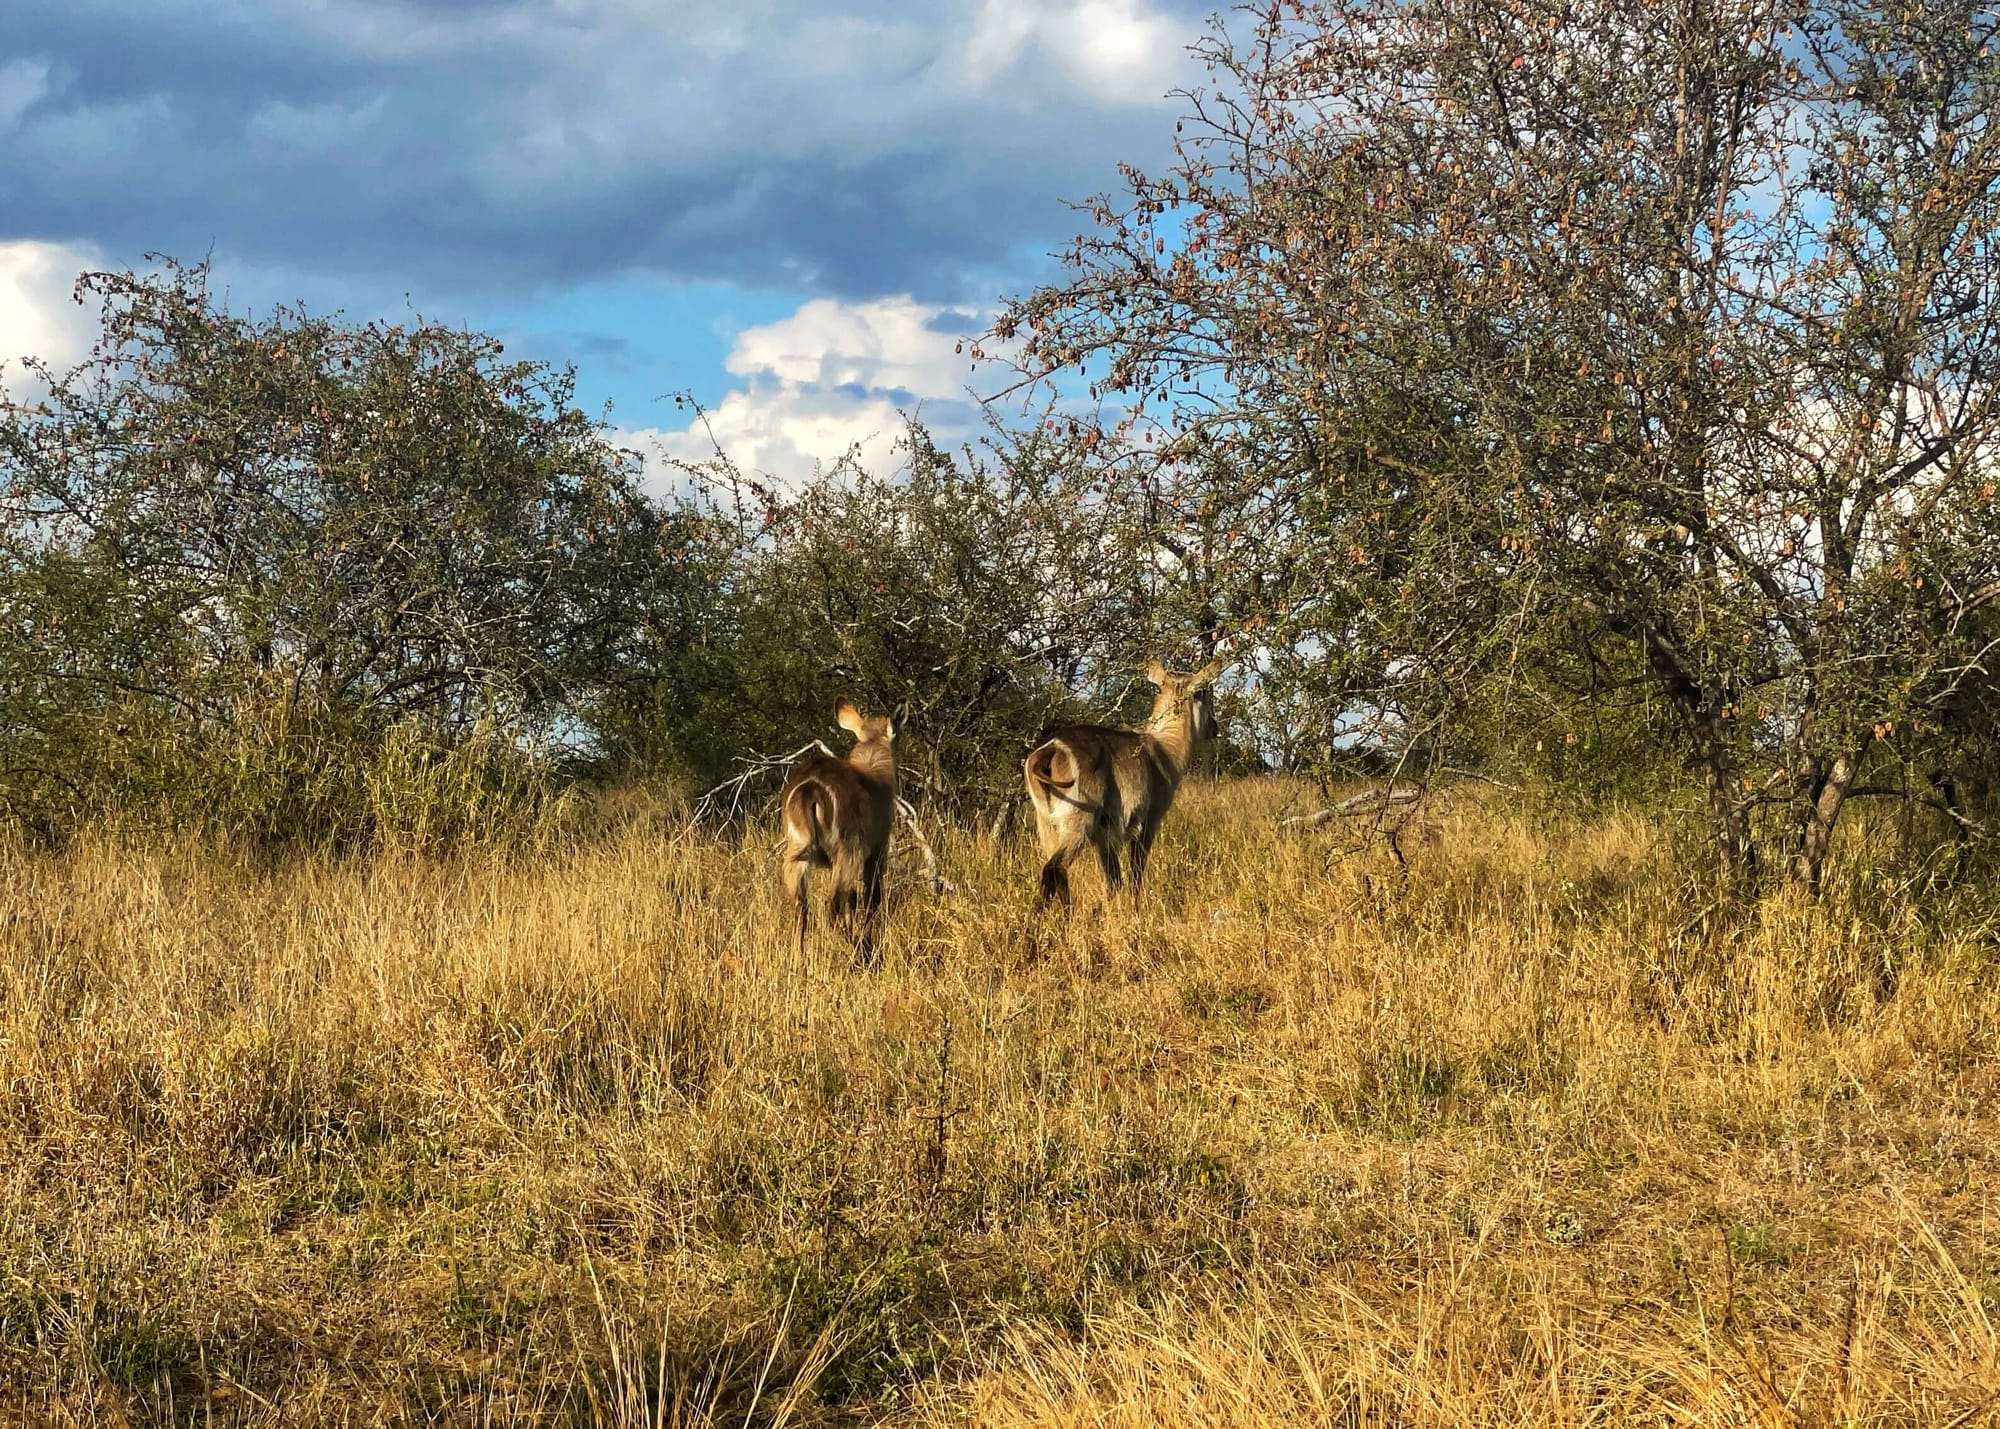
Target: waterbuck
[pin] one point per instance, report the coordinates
(837, 815)
(1107, 789)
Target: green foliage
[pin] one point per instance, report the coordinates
(295, 578)
(975, 596)
(1569, 351)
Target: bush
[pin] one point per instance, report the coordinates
(255, 571)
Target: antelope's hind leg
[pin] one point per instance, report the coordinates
(1107, 858)
(1052, 832)
(840, 910)
(1137, 853)
(1058, 852)
(794, 873)
(870, 907)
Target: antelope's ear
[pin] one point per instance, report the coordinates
(1206, 675)
(898, 717)
(848, 717)
(1156, 672)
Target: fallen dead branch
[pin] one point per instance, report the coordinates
(710, 805)
(939, 885)
(1369, 801)
(726, 801)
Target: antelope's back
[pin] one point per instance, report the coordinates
(860, 805)
(1098, 755)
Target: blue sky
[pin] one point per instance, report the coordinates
(789, 208)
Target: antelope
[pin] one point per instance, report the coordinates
(1110, 788)
(837, 815)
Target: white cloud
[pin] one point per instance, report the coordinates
(782, 430)
(832, 378)
(39, 317)
(890, 343)
(1120, 50)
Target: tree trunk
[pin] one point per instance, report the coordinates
(1816, 830)
(1735, 848)
(1702, 708)
(1946, 784)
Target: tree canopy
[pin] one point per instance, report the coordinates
(1596, 390)
(1523, 357)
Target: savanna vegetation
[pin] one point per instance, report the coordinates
(1565, 994)
(566, 1134)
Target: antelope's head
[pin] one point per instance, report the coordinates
(866, 729)
(1189, 694)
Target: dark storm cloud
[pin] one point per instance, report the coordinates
(908, 145)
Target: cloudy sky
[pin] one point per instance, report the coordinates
(790, 208)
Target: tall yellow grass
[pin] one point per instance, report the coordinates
(569, 1136)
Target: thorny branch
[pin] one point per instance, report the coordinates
(710, 805)
(726, 802)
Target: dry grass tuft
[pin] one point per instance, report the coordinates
(570, 1137)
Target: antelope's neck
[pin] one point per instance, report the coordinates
(875, 758)
(1173, 730)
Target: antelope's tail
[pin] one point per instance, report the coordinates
(1050, 768)
(808, 819)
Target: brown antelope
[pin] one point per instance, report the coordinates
(1108, 789)
(837, 815)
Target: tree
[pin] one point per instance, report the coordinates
(284, 544)
(975, 593)
(1583, 347)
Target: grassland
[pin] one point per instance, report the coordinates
(568, 1135)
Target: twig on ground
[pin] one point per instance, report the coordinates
(1476, 776)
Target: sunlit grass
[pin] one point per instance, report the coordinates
(569, 1135)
